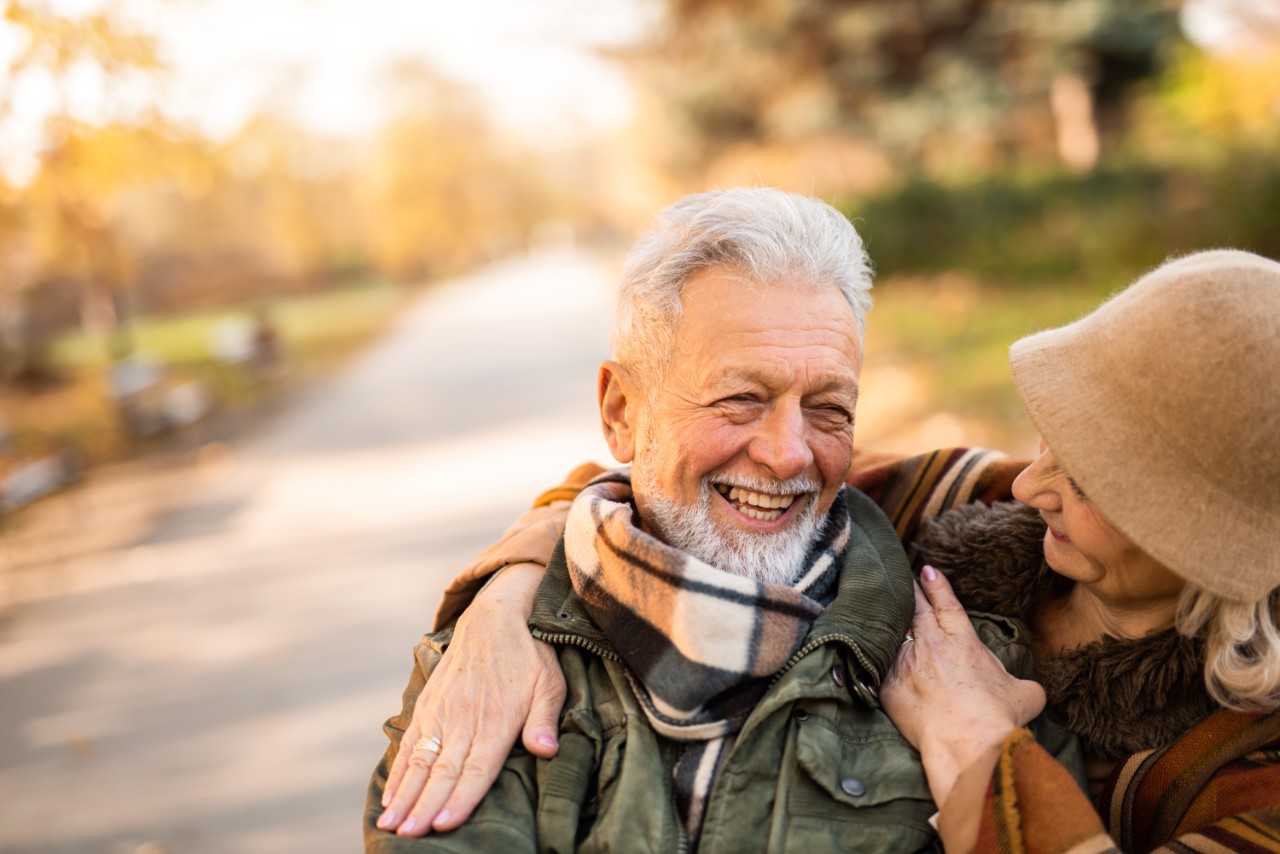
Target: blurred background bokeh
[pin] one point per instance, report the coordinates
(201, 198)
(376, 238)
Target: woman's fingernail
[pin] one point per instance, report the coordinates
(409, 825)
(386, 798)
(547, 740)
(388, 819)
(928, 573)
(441, 818)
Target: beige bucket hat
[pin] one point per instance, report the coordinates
(1164, 405)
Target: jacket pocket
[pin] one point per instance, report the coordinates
(866, 792)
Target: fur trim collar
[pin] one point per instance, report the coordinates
(1119, 696)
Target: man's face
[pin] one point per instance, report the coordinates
(750, 436)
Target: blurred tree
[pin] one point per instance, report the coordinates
(1010, 79)
(123, 211)
(286, 198)
(1208, 104)
(440, 187)
(426, 169)
(68, 223)
(54, 46)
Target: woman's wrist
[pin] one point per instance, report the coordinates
(948, 754)
(960, 812)
(510, 592)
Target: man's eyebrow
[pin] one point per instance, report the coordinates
(838, 386)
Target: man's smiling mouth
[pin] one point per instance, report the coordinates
(756, 505)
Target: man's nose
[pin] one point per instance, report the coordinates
(782, 445)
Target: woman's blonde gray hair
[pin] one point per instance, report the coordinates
(1242, 646)
(760, 234)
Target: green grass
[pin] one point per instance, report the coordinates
(308, 325)
(952, 335)
(316, 331)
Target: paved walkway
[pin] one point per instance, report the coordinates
(218, 684)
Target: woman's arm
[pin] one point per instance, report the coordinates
(504, 821)
(494, 683)
(529, 540)
(1216, 789)
(912, 489)
(954, 701)
(998, 790)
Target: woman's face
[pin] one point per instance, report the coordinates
(1082, 545)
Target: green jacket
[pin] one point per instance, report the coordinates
(816, 767)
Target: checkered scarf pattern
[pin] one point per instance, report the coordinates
(699, 643)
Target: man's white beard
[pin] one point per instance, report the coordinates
(772, 558)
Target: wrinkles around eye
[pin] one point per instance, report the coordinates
(832, 412)
(743, 405)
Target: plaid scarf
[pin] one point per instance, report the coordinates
(700, 644)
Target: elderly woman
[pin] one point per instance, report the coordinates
(1146, 563)
(1145, 559)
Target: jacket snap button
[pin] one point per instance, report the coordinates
(853, 787)
(564, 615)
(837, 677)
(801, 715)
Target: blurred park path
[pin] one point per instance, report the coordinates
(218, 684)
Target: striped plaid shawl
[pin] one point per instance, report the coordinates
(911, 490)
(1214, 790)
(700, 644)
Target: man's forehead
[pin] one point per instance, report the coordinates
(719, 302)
(821, 374)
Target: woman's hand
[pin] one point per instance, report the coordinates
(948, 694)
(494, 681)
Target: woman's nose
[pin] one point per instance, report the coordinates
(1034, 485)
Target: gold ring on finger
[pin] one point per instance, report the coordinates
(427, 742)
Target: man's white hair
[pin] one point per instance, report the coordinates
(761, 234)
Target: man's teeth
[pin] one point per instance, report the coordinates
(762, 515)
(760, 499)
(756, 505)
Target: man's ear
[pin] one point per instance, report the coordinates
(619, 404)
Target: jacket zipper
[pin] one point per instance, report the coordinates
(683, 845)
(817, 642)
(577, 640)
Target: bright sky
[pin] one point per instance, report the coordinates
(532, 60)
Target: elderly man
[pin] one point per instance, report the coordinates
(724, 609)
